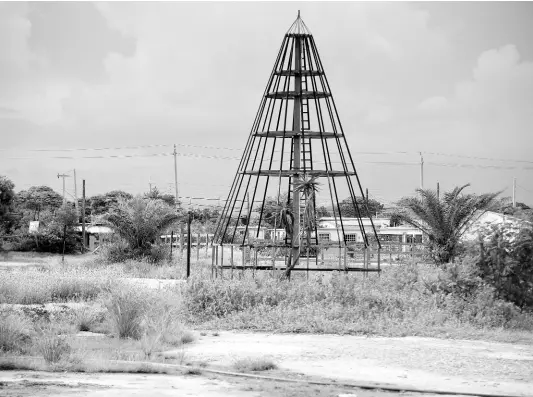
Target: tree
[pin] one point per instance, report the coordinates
(39, 198)
(156, 195)
(322, 212)
(272, 209)
(7, 198)
(308, 187)
(103, 203)
(346, 207)
(140, 222)
(444, 220)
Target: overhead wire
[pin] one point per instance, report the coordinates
(241, 149)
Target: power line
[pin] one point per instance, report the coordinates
(522, 187)
(240, 149)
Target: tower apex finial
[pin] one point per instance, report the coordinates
(298, 13)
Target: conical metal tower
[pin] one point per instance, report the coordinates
(297, 146)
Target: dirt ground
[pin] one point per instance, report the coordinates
(422, 363)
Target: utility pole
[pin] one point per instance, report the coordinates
(176, 175)
(83, 215)
(63, 176)
(76, 192)
(421, 171)
(514, 192)
(150, 184)
(366, 206)
(189, 245)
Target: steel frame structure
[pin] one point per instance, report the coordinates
(297, 123)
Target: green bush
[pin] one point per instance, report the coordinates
(159, 253)
(49, 239)
(505, 261)
(117, 251)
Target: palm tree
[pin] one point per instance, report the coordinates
(141, 221)
(308, 187)
(444, 220)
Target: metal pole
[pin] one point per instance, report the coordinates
(221, 261)
(64, 190)
(64, 238)
(295, 166)
(171, 238)
(198, 247)
(76, 192)
(83, 216)
(212, 260)
(231, 260)
(181, 239)
(438, 190)
(421, 171)
(176, 177)
(189, 245)
(514, 192)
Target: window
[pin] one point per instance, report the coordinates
(350, 238)
(323, 237)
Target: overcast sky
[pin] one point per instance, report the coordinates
(451, 78)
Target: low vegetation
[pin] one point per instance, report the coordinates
(460, 300)
(250, 364)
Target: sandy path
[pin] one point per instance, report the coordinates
(15, 383)
(460, 366)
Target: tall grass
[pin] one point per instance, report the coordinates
(31, 286)
(15, 333)
(396, 304)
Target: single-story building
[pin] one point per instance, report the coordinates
(95, 235)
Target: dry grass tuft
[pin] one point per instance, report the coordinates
(254, 364)
(14, 333)
(52, 346)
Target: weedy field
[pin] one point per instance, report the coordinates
(80, 314)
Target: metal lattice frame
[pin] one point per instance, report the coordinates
(297, 121)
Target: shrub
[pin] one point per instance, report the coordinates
(405, 300)
(14, 333)
(117, 251)
(89, 319)
(127, 308)
(505, 261)
(254, 364)
(49, 239)
(159, 253)
(51, 346)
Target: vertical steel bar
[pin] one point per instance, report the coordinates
(222, 261)
(231, 261)
(295, 166)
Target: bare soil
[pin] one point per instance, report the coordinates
(412, 362)
(423, 363)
